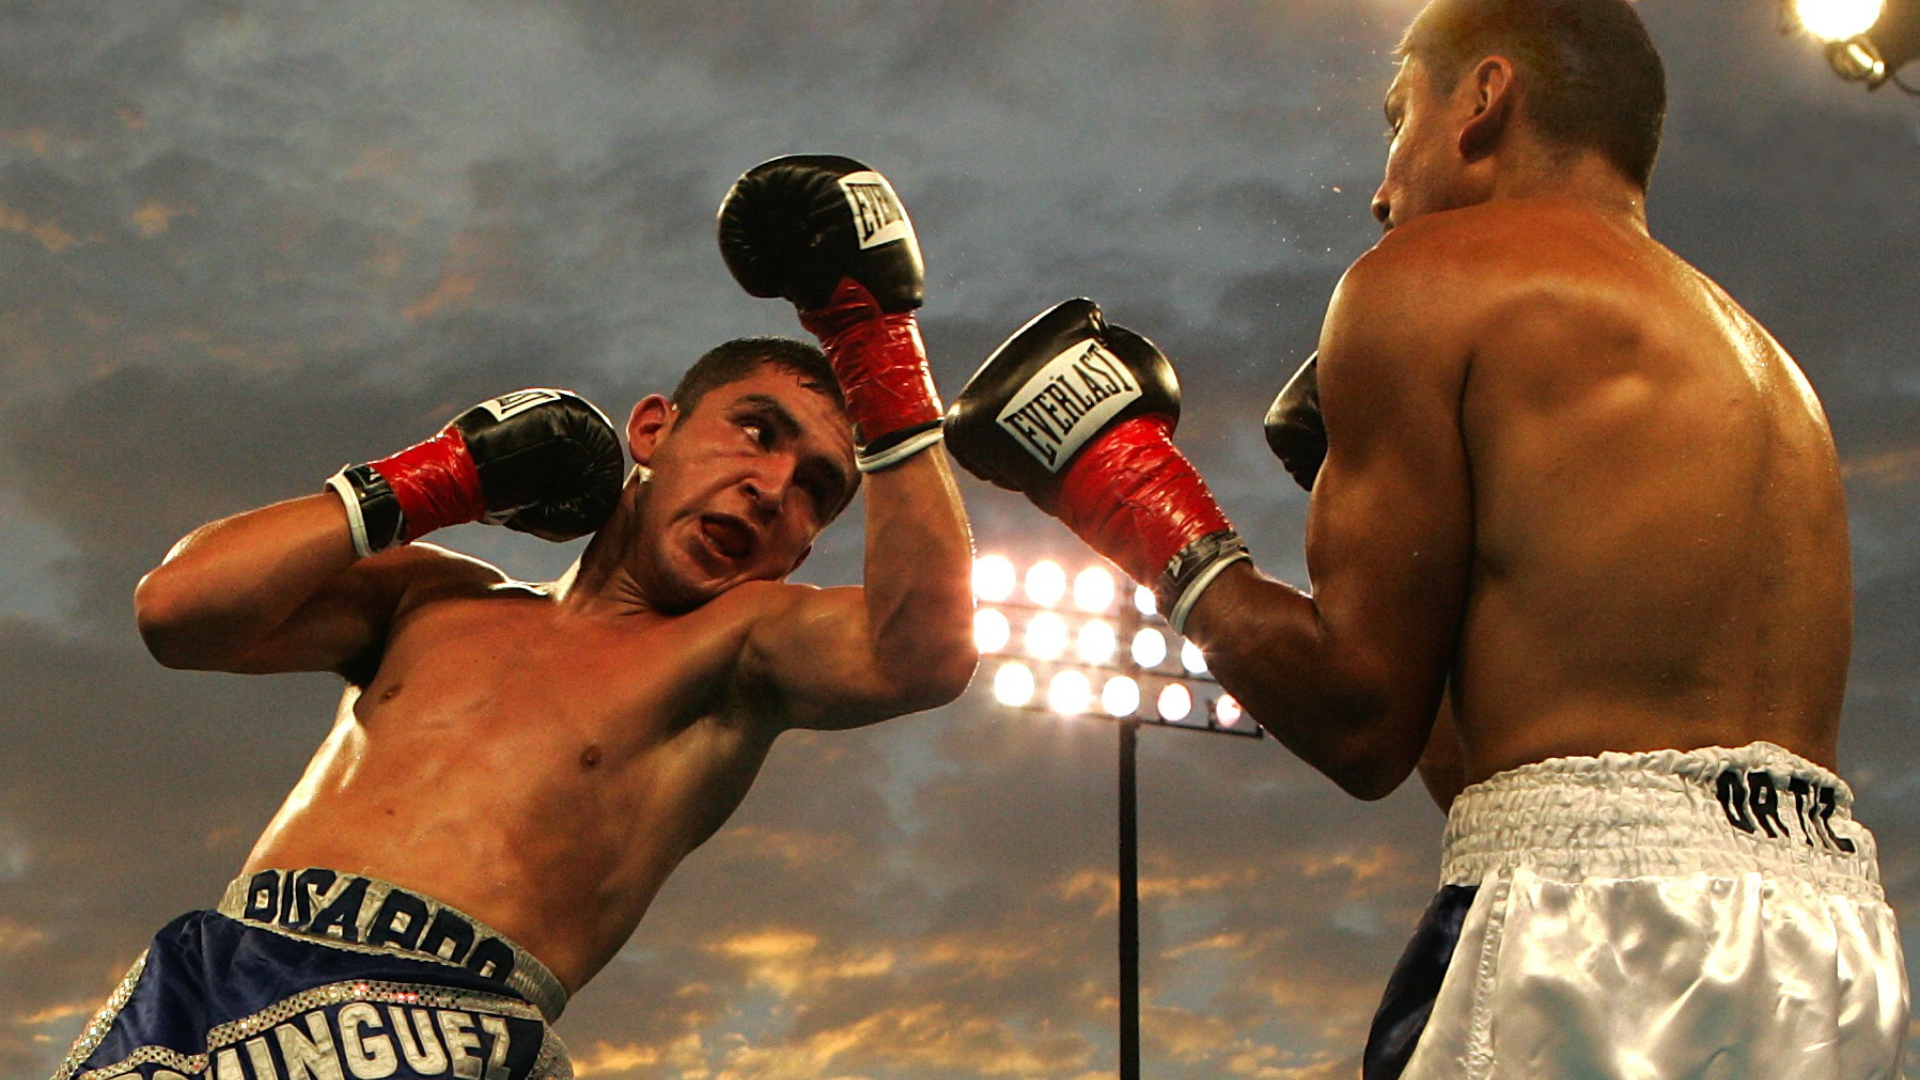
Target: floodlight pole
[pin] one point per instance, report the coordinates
(1129, 907)
(1130, 621)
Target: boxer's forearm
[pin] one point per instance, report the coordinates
(919, 577)
(1321, 696)
(231, 582)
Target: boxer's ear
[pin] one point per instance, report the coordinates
(1492, 91)
(649, 423)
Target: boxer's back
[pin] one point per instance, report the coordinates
(1660, 541)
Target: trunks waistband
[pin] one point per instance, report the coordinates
(1722, 811)
(348, 911)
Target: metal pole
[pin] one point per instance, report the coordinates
(1129, 910)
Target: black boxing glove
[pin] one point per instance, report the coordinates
(830, 235)
(1295, 430)
(545, 462)
(1078, 415)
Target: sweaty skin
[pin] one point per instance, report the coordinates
(1572, 488)
(542, 757)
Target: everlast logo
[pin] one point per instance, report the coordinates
(317, 902)
(517, 402)
(877, 213)
(1752, 803)
(1070, 399)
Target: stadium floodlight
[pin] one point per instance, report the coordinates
(1047, 636)
(1143, 601)
(993, 578)
(1192, 659)
(991, 630)
(1070, 693)
(1074, 652)
(1095, 644)
(1093, 590)
(1149, 649)
(1046, 583)
(1013, 684)
(1121, 696)
(1865, 40)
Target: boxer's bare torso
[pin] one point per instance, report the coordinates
(543, 757)
(539, 767)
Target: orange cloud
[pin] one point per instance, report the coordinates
(15, 936)
(479, 269)
(155, 216)
(1887, 468)
(684, 1056)
(784, 960)
(51, 236)
(792, 847)
(55, 1013)
(928, 1037)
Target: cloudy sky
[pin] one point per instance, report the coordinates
(242, 243)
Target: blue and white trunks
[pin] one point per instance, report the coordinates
(318, 975)
(1712, 914)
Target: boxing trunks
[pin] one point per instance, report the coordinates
(317, 975)
(1713, 914)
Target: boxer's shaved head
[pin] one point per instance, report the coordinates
(731, 361)
(1592, 77)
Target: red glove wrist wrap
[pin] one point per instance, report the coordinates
(435, 483)
(879, 360)
(1136, 499)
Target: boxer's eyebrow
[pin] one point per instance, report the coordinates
(774, 414)
(769, 409)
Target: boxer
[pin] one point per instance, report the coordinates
(1578, 551)
(514, 769)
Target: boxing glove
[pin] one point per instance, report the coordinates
(829, 235)
(1078, 415)
(1295, 431)
(545, 462)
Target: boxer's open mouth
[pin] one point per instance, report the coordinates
(728, 535)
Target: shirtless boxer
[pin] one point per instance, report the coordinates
(515, 769)
(1574, 492)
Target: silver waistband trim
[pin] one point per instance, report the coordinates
(362, 914)
(1722, 811)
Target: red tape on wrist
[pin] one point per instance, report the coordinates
(1136, 499)
(435, 483)
(879, 359)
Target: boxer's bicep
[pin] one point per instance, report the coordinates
(1390, 524)
(818, 657)
(344, 626)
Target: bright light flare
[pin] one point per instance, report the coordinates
(1013, 684)
(1837, 20)
(1120, 697)
(991, 630)
(1149, 647)
(1093, 590)
(1192, 659)
(1096, 643)
(1143, 600)
(1176, 703)
(1228, 711)
(1046, 583)
(1069, 693)
(1046, 636)
(994, 578)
